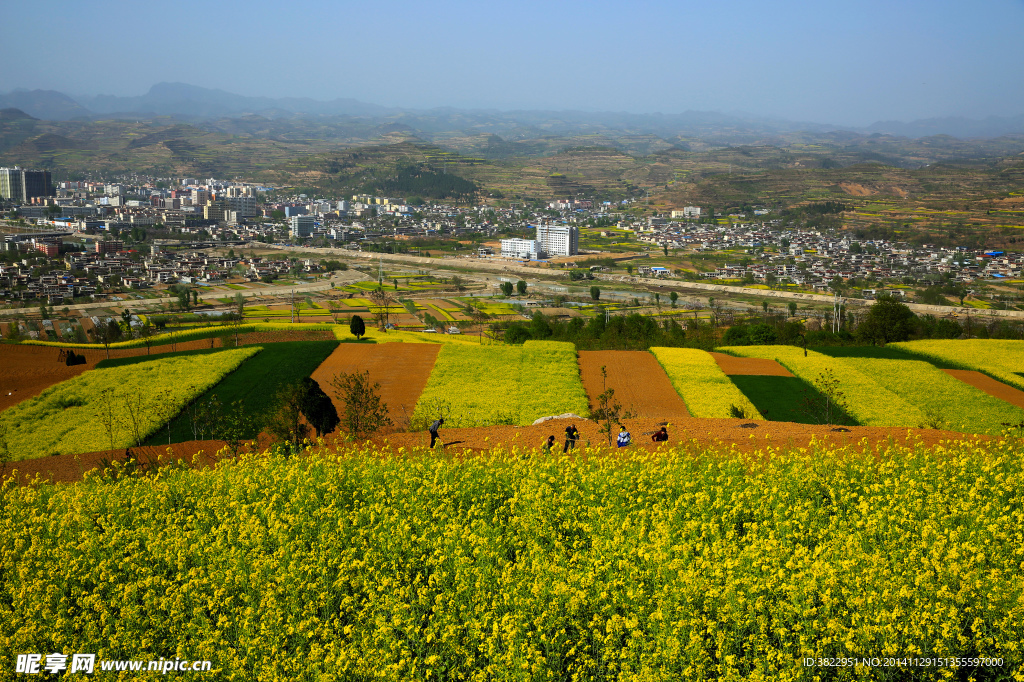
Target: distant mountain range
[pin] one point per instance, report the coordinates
(194, 104)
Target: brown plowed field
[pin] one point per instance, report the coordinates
(986, 383)
(26, 371)
(401, 369)
(753, 366)
(286, 335)
(641, 385)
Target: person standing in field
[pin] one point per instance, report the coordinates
(433, 431)
(624, 438)
(548, 444)
(571, 436)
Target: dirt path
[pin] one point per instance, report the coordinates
(750, 366)
(401, 369)
(686, 432)
(986, 383)
(641, 385)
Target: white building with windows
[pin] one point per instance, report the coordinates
(302, 226)
(521, 248)
(559, 240)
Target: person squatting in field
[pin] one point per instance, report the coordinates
(660, 436)
(433, 431)
(624, 438)
(548, 444)
(571, 436)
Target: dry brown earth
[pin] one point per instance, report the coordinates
(750, 366)
(401, 369)
(641, 385)
(986, 383)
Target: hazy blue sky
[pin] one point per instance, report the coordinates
(847, 63)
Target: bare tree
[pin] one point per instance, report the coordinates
(382, 300)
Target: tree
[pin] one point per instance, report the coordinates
(458, 283)
(673, 296)
(886, 321)
(521, 287)
(357, 327)
(382, 300)
(362, 410)
(595, 293)
(609, 412)
(318, 408)
(506, 288)
(664, 249)
(126, 323)
(285, 422)
(184, 298)
(825, 403)
(109, 333)
(792, 308)
(764, 306)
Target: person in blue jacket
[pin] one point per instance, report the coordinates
(624, 438)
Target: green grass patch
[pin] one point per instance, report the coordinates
(781, 399)
(257, 383)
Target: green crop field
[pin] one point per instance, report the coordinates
(686, 565)
(481, 385)
(114, 407)
(256, 382)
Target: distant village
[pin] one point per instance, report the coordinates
(91, 238)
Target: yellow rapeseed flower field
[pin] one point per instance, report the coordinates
(702, 384)
(113, 407)
(474, 385)
(1001, 359)
(868, 401)
(690, 564)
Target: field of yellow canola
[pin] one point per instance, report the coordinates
(114, 407)
(474, 385)
(702, 384)
(685, 565)
(1001, 359)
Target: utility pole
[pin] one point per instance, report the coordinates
(293, 306)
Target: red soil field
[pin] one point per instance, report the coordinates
(750, 366)
(986, 383)
(26, 371)
(401, 369)
(641, 385)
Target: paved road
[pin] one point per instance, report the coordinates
(268, 292)
(506, 268)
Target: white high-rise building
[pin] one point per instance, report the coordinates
(559, 240)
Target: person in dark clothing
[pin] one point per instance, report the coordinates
(660, 436)
(571, 436)
(548, 444)
(433, 431)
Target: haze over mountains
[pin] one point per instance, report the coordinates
(194, 104)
